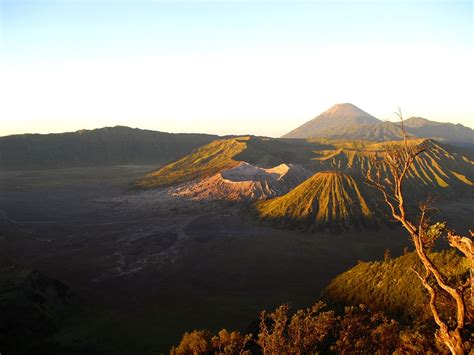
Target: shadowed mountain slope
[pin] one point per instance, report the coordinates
(327, 200)
(383, 131)
(98, 147)
(332, 121)
(443, 132)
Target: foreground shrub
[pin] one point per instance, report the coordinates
(203, 342)
(304, 333)
(358, 330)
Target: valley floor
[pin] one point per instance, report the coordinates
(150, 266)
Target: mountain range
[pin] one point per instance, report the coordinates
(308, 184)
(123, 145)
(346, 121)
(97, 147)
(313, 178)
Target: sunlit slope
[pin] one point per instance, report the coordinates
(223, 154)
(327, 200)
(386, 285)
(436, 169)
(203, 162)
(439, 169)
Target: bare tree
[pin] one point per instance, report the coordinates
(391, 169)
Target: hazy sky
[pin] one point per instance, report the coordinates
(260, 67)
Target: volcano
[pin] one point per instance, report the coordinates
(327, 200)
(245, 182)
(338, 118)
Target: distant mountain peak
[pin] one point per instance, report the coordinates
(337, 117)
(346, 108)
(347, 121)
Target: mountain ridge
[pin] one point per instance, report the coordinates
(97, 147)
(347, 121)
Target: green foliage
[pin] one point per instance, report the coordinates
(433, 233)
(397, 321)
(390, 286)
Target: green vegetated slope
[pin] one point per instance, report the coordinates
(98, 147)
(326, 200)
(380, 308)
(205, 161)
(390, 286)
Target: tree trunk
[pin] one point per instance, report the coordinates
(453, 340)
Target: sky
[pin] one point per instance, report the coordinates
(230, 67)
